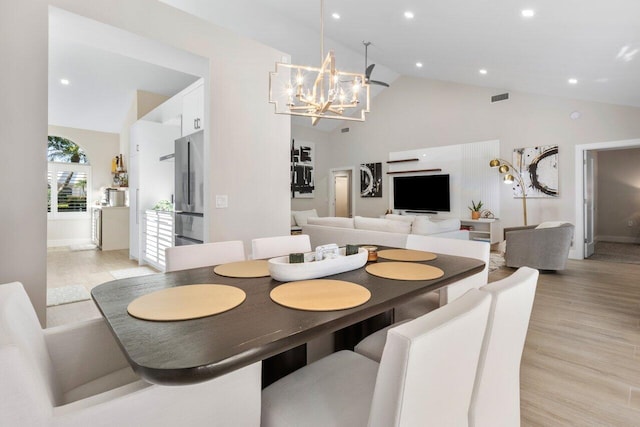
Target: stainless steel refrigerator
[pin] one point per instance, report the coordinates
(189, 189)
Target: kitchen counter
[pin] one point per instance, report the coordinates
(110, 227)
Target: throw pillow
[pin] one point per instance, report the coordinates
(331, 221)
(550, 224)
(424, 226)
(405, 218)
(302, 216)
(381, 224)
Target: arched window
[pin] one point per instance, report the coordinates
(69, 178)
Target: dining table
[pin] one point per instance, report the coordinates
(196, 350)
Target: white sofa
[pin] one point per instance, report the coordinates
(389, 231)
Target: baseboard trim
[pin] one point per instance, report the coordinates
(67, 242)
(617, 239)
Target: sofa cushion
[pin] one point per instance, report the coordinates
(381, 224)
(302, 216)
(550, 224)
(424, 226)
(405, 218)
(331, 221)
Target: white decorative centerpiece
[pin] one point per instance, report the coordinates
(280, 268)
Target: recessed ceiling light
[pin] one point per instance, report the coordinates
(409, 15)
(528, 13)
(482, 71)
(419, 64)
(573, 81)
(64, 82)
(335, 15)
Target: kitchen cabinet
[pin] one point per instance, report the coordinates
(150, 180)
(158, 236)
(193, 110)
(110, 227)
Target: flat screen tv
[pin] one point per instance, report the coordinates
(422, 193)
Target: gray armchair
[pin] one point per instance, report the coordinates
(541, 248)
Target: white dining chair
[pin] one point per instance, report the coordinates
(204, 255)
(76, 375)
(432, 300)
(373, 345)
(414, 384)
(496, 394)
(269, 247)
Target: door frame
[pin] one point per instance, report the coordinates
(332, 192)
(577, 251)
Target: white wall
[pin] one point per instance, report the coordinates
(23, 138)
(249, 156)
(416, 113)
(618, 203)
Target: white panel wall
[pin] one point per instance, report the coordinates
(468, 168)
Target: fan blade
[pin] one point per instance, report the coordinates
(376, 82)
(367, 73)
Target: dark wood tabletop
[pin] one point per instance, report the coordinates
(190, 351)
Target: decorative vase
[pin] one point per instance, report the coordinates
(475, 214)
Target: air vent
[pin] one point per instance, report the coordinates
(344, 130)
(501, 97)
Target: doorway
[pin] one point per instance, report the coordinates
(341, 192)
(587, 212)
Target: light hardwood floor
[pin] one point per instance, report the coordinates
(87, 268)
(581, 362)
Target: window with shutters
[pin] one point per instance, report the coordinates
(68, 179)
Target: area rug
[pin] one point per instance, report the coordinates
(496, 260)
(132, 272)
(66, 295)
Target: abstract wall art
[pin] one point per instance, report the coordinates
(302, 172)
(539, 167)
(371, 180)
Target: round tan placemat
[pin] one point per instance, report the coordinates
(406, 255)
(252, 268)
(320, 295)
(186, 302)
(404, 271)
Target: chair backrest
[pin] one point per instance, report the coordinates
(269, 247)
(25, 366)
(204, 255)
(465, 248)
(496, 393)
(428, 366)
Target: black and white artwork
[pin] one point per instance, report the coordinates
(539, 168)
(302, 172)
(371, 180)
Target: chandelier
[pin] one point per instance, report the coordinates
(318, 92)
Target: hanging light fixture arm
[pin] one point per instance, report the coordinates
(503, 167)
(319, 92)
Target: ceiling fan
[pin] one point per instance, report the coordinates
(369, 68)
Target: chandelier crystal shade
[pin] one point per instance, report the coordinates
(319, 92)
